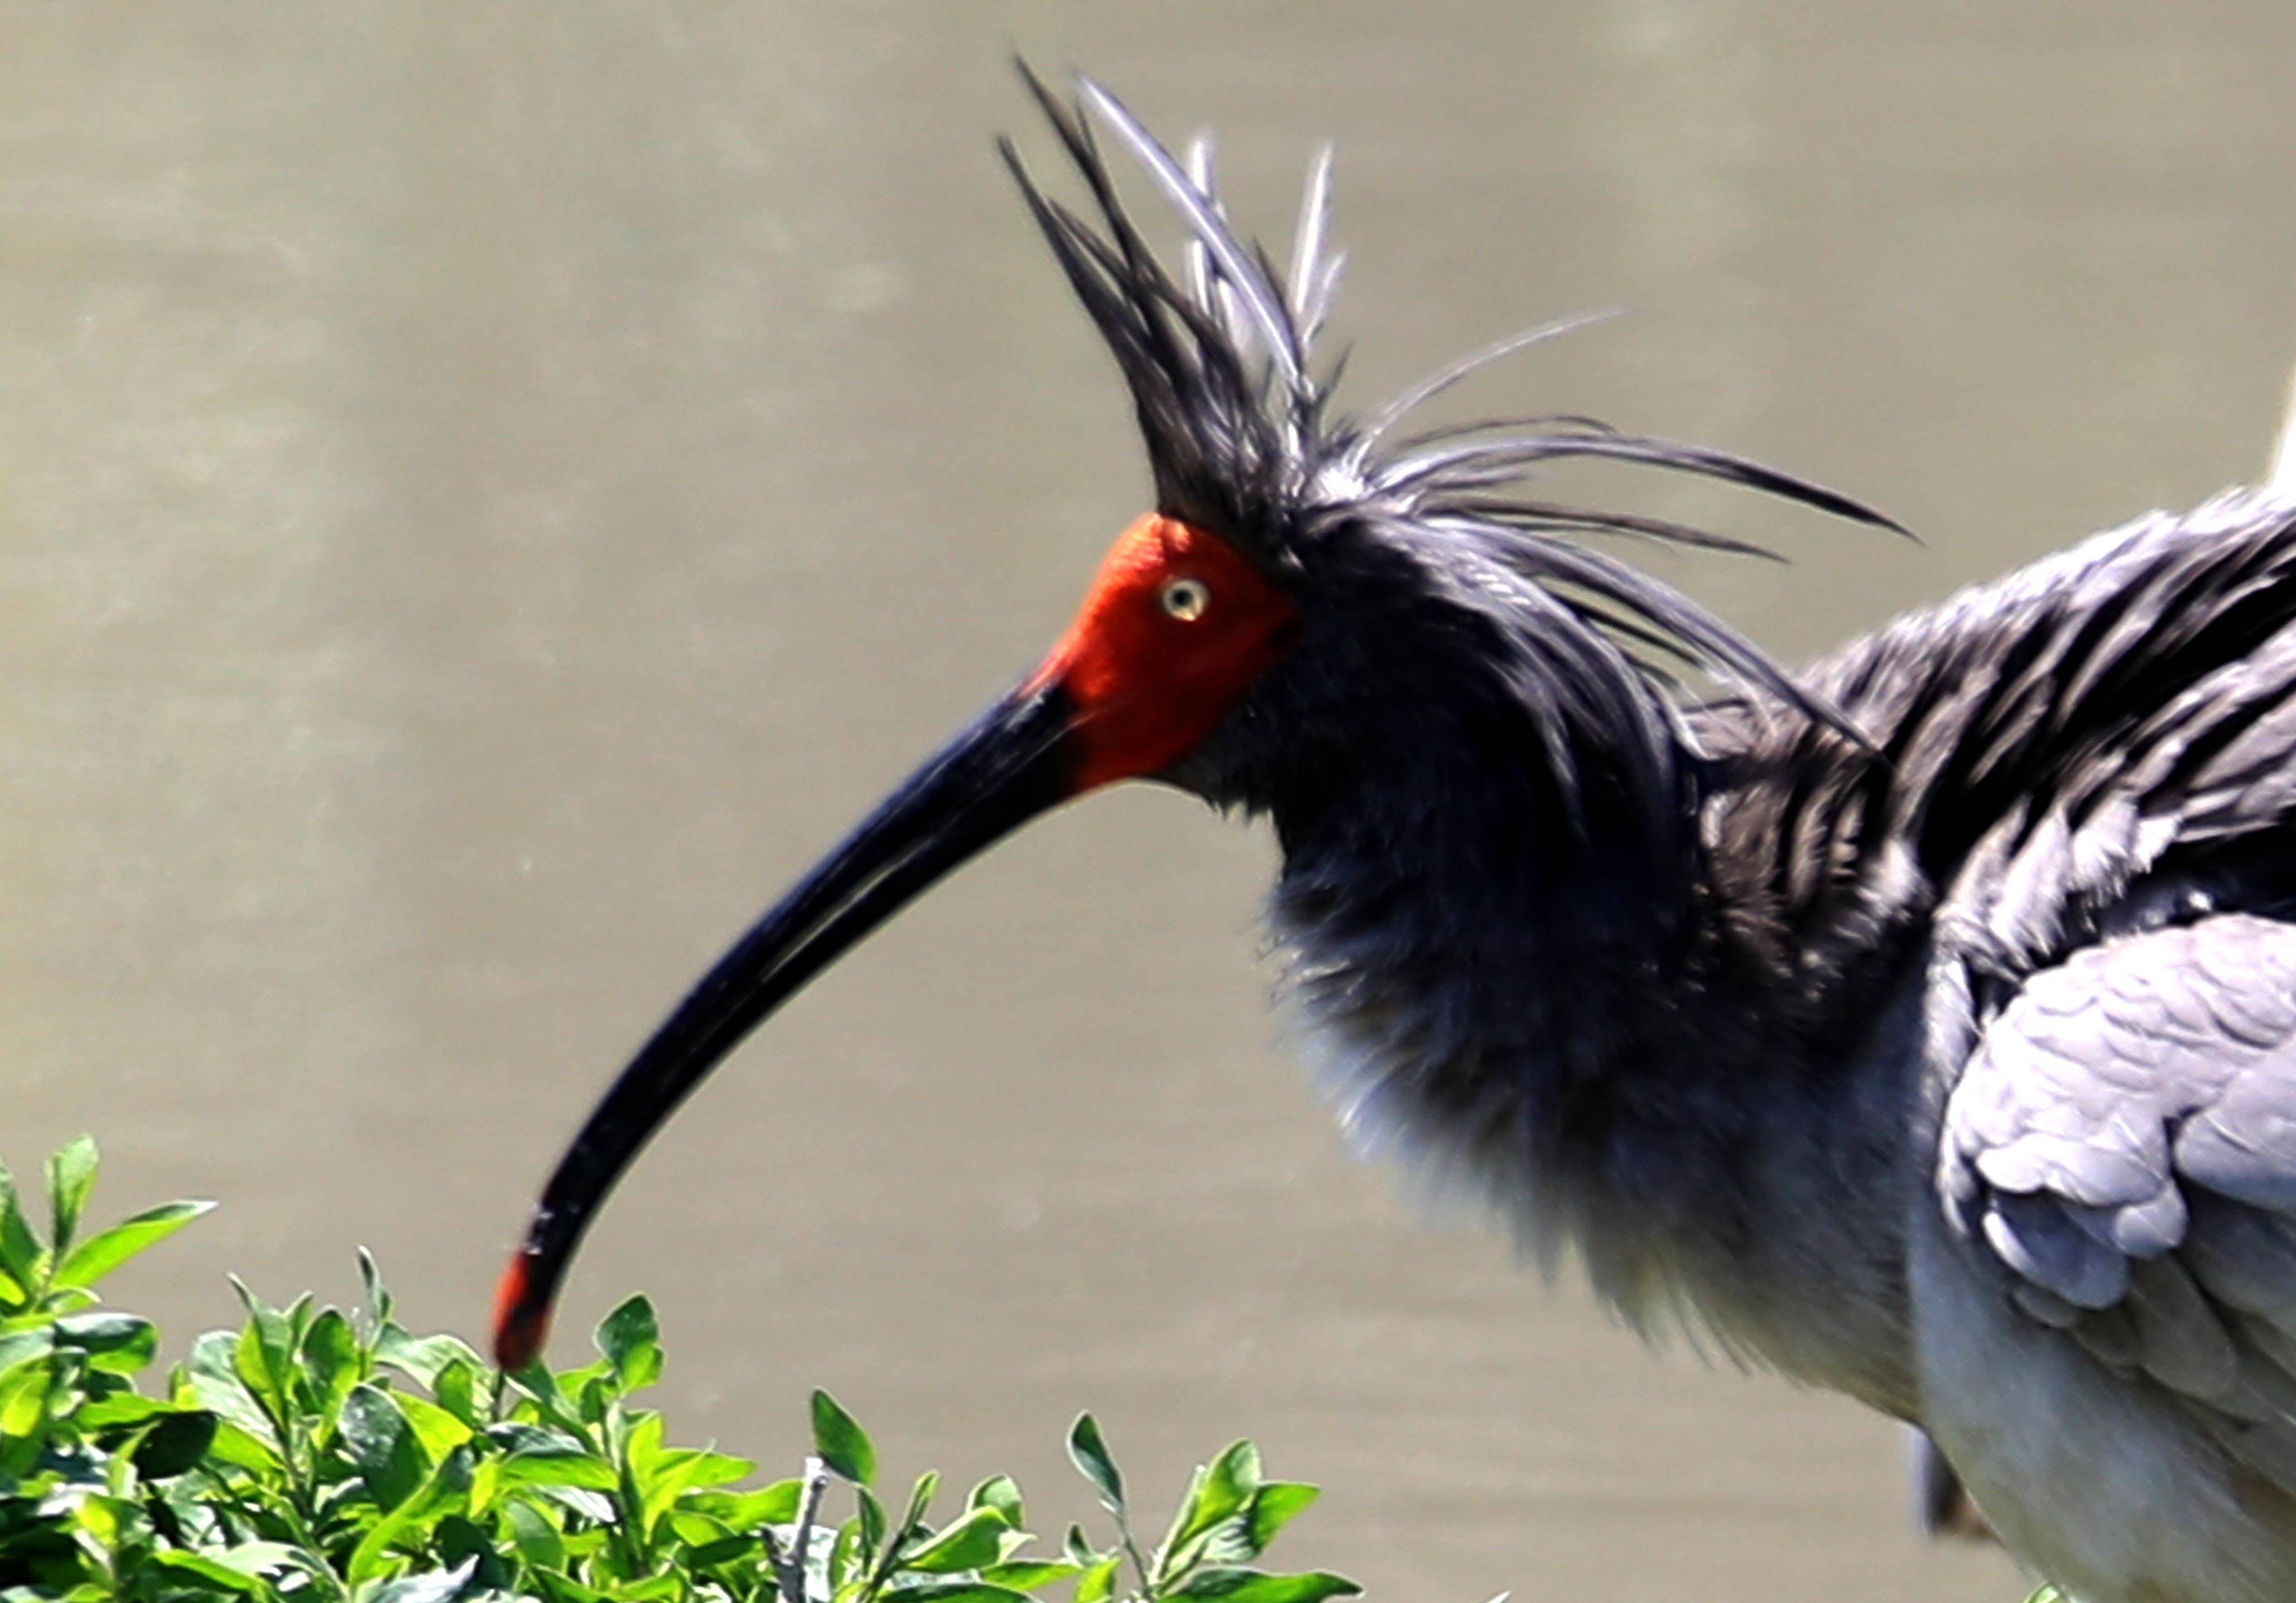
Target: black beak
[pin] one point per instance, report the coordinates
(1012, 764)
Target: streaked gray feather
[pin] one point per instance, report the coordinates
(2119, 1143)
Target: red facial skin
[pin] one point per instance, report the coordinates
(1148, 685)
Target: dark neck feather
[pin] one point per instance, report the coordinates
(1499, 934)
(1506, 997)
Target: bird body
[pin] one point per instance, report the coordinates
(1922, 1024)
(1970, 1089)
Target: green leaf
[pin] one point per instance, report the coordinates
(1231, 1480)
(951, 1591)
(1277, 1504)
(382, 1446)
(243, 1450)
(674, 1473)
(573, 1470)
(71, 1176)
(1257, 1586)
(212, 1571)
(108, 1519)
(536, 1457)
(558, 1588)
(1098, 1582)
(264, 1356)
(56, 1302)
(457, 1391)
(717, 1469)
(844, 1555)
(174, 1442)
(773, 1505)
(1227, 1544)
(1217, 1492)
(442, 1493)
(1030, 1574)
(115, 1417)
(640, 1443)
(458, 1540)
(23, 1401)
(332, 1362)
(596, 1391)
(107, 1250)
(584, 1503)
(700, 1529)
(424, 1358)
(215, 1384)
(536, 1539)
(1002, 1493)
(24, 1346)
(438, 1431)
(631, 1340)
(1089, 1453)
(841, 1442)
(435, 1586)
(737, 1547)
(485, 1485)
(776, 1504)
(262, 1558)
(119, 1343)
(971, 1543)
(21, 1252)
(378, 1300)
(921, 1496)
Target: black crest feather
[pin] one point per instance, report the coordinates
(1221, 358)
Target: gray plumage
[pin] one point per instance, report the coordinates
(1922, 1024)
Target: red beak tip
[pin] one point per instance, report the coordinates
(521, 1324)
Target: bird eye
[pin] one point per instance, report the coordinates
(1184, 599)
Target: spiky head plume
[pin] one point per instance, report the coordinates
(1436, 571)
(1235, 408)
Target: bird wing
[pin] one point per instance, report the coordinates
(2122, 1142)
(2080, 796)
(2098, 743)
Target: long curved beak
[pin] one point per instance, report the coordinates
(1012, 764)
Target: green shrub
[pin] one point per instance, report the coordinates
(313, 1454)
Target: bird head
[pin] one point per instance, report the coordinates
(1306, 593)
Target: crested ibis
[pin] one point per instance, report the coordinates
(1920, 1023)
